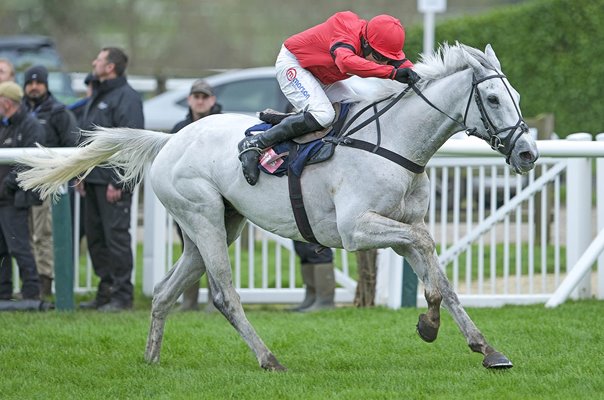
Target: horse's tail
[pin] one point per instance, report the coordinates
(126, 149)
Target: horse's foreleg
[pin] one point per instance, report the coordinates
(476, 341)
(426, 265)
(416, 243)
(375, 231)
(187, 270)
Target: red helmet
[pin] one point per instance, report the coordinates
(386, 35)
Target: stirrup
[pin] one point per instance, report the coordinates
(257, 149)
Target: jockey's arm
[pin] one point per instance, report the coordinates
(350, 63)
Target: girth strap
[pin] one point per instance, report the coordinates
(380, 151)
(297, 202)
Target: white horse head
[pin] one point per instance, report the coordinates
(492, 110)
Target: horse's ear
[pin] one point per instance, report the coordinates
(491, 57)
(479, 70)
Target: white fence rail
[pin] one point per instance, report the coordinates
(502, 239)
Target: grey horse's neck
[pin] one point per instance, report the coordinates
(414, 129)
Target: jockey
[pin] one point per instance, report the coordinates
(310, 61)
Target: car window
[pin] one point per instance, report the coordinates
(59, 82)
(26, 58)
(251, 95)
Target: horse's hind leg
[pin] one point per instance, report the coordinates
(187, 270)
(215, 227)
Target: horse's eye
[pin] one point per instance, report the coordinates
(493, 99)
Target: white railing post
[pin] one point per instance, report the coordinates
(389, 287)
(578, 213)
(600, 213)
(154, 239)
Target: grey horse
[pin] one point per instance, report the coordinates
(357, 200)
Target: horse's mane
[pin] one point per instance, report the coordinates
(445, 61)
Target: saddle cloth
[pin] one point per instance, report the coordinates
(311, 149)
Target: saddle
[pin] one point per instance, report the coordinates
(309, 148)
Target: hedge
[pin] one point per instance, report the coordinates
(551, 50)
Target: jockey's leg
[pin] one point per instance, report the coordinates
(251, 146)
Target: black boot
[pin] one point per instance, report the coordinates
(103, 297)
(45, 287)
(251, 146)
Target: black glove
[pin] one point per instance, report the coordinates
(406, 75)
(10, 184)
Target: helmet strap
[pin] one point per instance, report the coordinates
(365, 47)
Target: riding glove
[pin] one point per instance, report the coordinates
(406, 75)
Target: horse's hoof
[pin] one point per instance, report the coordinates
(151, 359)
(273, 365)
(496, 360)
(425, 330)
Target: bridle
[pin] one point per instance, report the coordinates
(503, 144)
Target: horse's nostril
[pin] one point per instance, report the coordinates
(527, 156)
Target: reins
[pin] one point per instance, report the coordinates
(344, 139)
(503, 145)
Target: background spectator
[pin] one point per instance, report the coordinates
(17, 129)
(7, 70)
(107, 204)
(202, 102)
(7, 74)
(78, 109)
(60, 128)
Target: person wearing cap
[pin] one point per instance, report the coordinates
(114, 103)
(75, 186)
(60, 127)
(202, 102)
(78, 107)
(17, 129)
(311, 61)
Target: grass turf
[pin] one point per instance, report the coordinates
(346, 353)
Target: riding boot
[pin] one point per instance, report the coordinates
(251, 147)
(325, 286)
(190, 296)
(308, 277)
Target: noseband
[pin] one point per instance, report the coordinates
(494, 137)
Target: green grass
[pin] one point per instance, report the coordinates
(342, 354)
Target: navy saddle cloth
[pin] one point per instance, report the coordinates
(309, 153)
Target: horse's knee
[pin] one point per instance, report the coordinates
(424, 241)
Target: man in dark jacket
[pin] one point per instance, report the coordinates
(202, 102)
(113, 104)
(17, 129)
(61, 131)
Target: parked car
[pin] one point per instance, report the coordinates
(25, 51)
(246, 91)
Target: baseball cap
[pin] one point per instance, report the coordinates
(11, 91)
(37, 73)
(201, 86)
